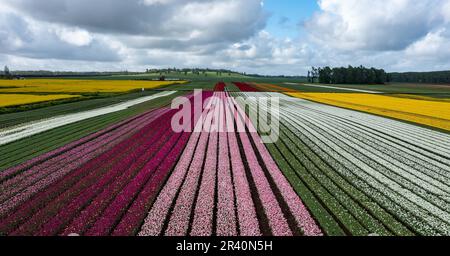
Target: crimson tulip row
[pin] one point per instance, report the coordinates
(244, 87)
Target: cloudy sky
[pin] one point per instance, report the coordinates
(266, 37)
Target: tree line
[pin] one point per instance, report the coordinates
(437, 77)
(349, 75)
(194, 71)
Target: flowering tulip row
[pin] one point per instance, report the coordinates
(220, 87)
(244, 87)
(230, 183)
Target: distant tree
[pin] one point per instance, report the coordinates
(7, 73)
(325, 75)
(314, 74)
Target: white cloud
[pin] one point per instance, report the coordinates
(435, 44)
(75, 36)
(374, 25)
(397, 35)
(21, 37)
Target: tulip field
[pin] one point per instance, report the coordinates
(362, 174)
(332, 172)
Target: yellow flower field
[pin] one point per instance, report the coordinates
(78, 86)
(7, 100)
(274, 88)
(427, 112)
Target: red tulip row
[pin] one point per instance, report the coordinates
(220, 87)
(244, 87)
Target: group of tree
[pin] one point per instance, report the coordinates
(437, 77)
(6, 74)
(349, 75)
(192, 71)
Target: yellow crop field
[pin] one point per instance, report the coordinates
(7, 100)
(272, 87)
(432, 113)
(78, 86)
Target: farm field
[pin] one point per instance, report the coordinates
(434, 113)
(50, 86)
(7, 100)
(435, 91)
(115, 167)
(361, 174)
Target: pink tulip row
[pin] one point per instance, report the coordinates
(277, 222)
(154, 222)
(132, 219)
(86, 151)
(246, 212)
(86, 173)
(201, 161)
(179, 221)
(213, 163)
(298, 210)
(204, 206)
(113, 179)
